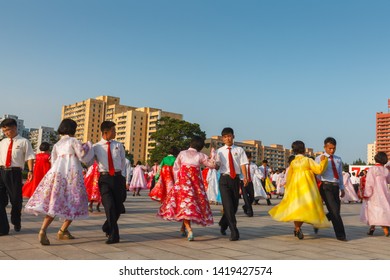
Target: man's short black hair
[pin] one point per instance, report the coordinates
(227, 130)
(8, 123)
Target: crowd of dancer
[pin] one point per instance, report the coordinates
(184, 183)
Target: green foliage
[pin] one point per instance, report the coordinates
(173, 133)
(359, 162)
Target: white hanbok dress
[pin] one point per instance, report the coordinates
(62, 191)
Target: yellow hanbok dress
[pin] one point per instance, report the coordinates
(302, 200)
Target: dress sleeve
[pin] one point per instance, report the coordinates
(206, 161)
(318, 168)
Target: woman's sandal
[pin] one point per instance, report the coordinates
(190, 236)
(64, 235)
(43, 237)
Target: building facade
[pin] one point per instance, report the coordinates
(383, 133)
(371, 152)
(42, 134)
(134, 125)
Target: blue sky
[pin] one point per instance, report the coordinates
(275, 71)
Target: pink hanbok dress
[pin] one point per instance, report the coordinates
(375, 209)
(187, 199)
(62, 192)
(138, 181)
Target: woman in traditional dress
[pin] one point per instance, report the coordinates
(62, 191)
(302, 201)
(375, 209)
(164, 176)
(138, 182)
(91, 181)
(187, 201)
(41, 166)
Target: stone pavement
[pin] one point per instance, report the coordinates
(146, 237)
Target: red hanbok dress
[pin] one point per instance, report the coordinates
(91, 181)
(165, 179)
(41, 166)
(187, 200)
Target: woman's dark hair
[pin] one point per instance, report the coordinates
(44, 147)
(298, 147)
(139, 162)
(197, 143)
(174, 151)
(67, 127)
(381, 158)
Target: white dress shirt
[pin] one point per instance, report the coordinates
(117, 152)
(239, 159)
(22, 151)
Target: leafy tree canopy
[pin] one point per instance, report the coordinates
(173, 133)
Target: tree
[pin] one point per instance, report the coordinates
(173, 133)
(359, 162)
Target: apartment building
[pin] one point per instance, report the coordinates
(42, 134)
(383, 133)
(134, 125)
(371, 151)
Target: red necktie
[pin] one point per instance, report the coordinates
(249, 173)
(335, 173)
(111, 169)
(9, 154)
(231, 164)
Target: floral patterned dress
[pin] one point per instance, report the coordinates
(187, 199)
(62, 191)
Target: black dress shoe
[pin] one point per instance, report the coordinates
(235, 235)
(342, 239)
(315, 230)
(17, 228)
(222, 231)
(112, 241)
(249, 214)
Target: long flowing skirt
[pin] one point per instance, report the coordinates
(164, 184)
(187, 200)
(301, 202)
(61, 192)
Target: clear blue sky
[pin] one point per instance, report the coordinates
(275, 71)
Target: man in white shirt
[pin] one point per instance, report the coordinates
(232, 162)
(110, 155)
(355, 182)
(15, 151)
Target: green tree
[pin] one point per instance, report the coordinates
(173, 133)
(359, 162)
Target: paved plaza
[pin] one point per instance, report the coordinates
(146, 237)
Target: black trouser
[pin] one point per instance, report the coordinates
(356, 188)
(112, 191)
(10, 186)
(249, 196)
(230, 194)
(330, 195)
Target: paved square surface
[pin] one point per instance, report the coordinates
(146, 237)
